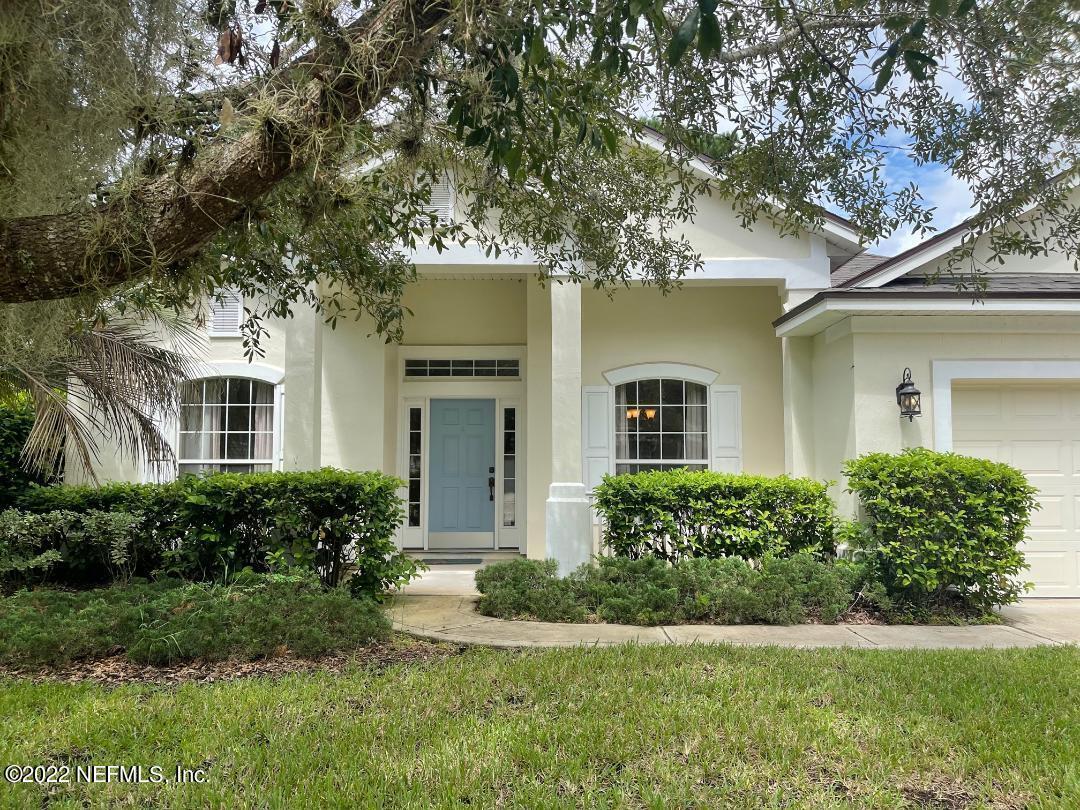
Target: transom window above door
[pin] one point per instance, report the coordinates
(226, 425)
(422, 367)
(661, 423)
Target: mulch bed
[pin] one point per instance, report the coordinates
(117, 670)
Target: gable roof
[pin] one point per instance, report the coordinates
(855, 266)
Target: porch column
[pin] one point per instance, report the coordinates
(569, 523)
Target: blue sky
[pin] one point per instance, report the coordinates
(950, 198)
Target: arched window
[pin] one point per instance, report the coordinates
(661, 423)
(226, 425)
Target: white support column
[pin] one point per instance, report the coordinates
(302, 423)
(569, 524)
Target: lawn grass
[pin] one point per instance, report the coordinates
(630, 726)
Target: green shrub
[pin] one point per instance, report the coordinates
(88, 548)
(942, 527)
(648, 591)
(259, 616)
(339, 524)
(16, 421)
(527, 589)
(673, 514)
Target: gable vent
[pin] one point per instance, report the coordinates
(226, 314)
(442, 202)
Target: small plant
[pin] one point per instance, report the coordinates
(675, 514)
(942, 529)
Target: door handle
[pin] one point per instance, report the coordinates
(491, 488)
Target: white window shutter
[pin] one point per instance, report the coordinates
(226, 313)
(725, 429)
(596, 430)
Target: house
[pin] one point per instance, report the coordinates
(508, 400)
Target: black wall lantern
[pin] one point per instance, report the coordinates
(908, 397)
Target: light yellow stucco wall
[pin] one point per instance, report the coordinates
(716, 233)
(832, 403)
(353, 401)
(451, 312)
(723, 328)
(858, 363)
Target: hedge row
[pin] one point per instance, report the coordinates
(340, 524)
(672, 514)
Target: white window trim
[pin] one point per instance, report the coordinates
(945, 372)
(644, 371)
(260, 372)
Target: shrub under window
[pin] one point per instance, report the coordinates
(672, 514)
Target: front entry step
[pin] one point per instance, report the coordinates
(463, 556)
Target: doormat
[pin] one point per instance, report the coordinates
(452, 560)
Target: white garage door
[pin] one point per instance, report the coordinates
(1036, 428)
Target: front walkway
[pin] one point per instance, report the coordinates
(441, 606)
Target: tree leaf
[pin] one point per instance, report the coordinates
(683, 37)
(964, 7)
(710, 37)
(885, 74)
(939, 8)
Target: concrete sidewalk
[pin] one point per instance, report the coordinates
(441, 606)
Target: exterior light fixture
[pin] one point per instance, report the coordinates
(908, 397)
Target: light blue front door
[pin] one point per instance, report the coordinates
(461, 483)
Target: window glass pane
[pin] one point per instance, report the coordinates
(414, 514)
(671, 419)
(414, 442)
(695, 445)
(648, 446)
(263, 445)
(238, 418)
(414, 466)
(190, 445)
(696, 394)
(625, 445)
(239, 391)
(626, 394)
(414, 491)
(648, 419)
(191, 417)
(238, 445)
(262, 393)
(673, 446)
(509, 418)
(696, 416)
(510, 443)
(508, 467)
(671, 392)
(414, 419)
(626, 419)
(192, 393)
(214, 391)
(648, 392)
